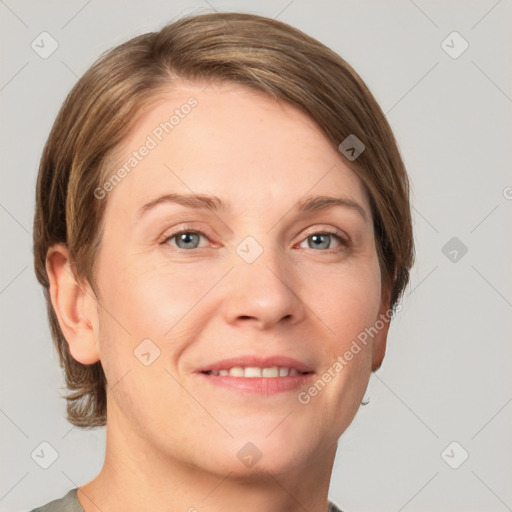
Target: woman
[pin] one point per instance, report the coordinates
(223, 233)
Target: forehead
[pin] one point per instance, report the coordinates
(231, 141)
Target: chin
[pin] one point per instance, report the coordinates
(281, 462)
(259, 454)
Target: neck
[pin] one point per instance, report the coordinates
(136, 476)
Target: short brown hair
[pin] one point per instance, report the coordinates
(108, 100)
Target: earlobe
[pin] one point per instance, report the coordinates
(379, 349)
(74, 306)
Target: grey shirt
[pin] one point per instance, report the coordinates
(70, 503)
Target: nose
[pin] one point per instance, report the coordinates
(264, 293)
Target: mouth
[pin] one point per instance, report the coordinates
(258, 375)
(252, 372)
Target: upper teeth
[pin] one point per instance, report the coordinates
(251, 371)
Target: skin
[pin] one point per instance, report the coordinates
(172, 438)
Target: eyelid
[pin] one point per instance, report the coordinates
(343, 243)
(168, 234)
(327, 231)
(312, 230)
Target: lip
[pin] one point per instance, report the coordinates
(258, 385)
(257, 361)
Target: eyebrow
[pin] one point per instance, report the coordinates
(324, 202)
(210, 202)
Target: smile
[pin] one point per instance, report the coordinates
(257, 375)
(254, 372)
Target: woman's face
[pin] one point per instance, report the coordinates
(267, 276)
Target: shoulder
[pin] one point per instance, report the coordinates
(333, 507)
(68, 503)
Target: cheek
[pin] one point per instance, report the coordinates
(346, 301)
(348, 305)
(152, 295)
(158, 301)
(166, 298)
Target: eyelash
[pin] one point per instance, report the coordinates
(342, 240)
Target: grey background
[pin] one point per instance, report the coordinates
(447, 373)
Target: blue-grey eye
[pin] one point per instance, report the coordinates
(319, 241)
(322, 240)
(186, 240)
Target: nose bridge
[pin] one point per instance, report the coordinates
(263, 286)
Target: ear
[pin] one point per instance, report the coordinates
(75, 306)
(380, 339)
